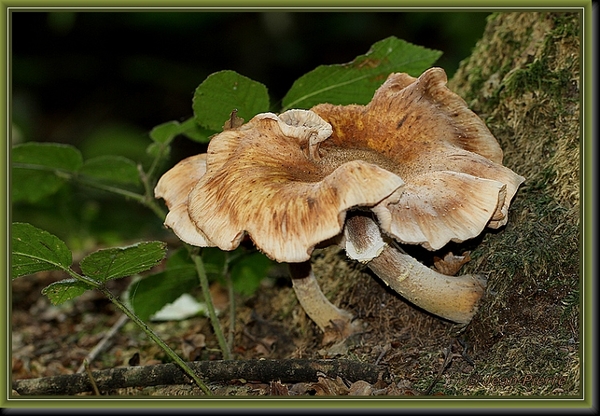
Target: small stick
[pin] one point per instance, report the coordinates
(91, 377)
(102, 344)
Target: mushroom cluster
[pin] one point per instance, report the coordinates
(414, 166)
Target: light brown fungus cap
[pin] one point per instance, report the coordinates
(455, 184)
(265, 179)
(425, 164)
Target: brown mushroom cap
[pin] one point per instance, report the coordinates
(174, 187)
(425, 164)
(261, 181)
(455, 184)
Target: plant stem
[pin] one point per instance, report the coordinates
(231, 309)
(148, 198)
(154, 337)
(210, 306)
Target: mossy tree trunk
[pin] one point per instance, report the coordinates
(523, 79)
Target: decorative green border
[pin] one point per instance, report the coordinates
(325, 403)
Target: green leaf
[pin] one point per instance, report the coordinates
(193, 131)
(249, 271)
(214, 260)
(39, 169)
(356, 82)
(148, 295)
(113, 169)
(64, 290)
(113, 263)
(221, 93)
(35, 250)
(165, 132)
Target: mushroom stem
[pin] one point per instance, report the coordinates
(334, 322)
(450, 297)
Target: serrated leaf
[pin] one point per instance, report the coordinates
(113, 169)
(37, 167)
(356, 82)
(44, 156)
(150, 294)
(249, 271)
(225, 91)
(35, 250)
(113, 263)
(64, 290)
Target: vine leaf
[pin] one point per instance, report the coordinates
(225, 91)
(116, 262)
(64, 290)
(355, 82)
(111, 169)
(37, 167)
(35, 250)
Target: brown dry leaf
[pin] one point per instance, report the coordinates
(329, 387)
(219, 296)
(264, 346)
(360, 388)
(451, 264)
(278, 389)
(192, 346)
(299, 389)
(234, 121)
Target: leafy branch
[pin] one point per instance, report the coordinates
(36, 250)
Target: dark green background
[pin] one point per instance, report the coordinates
(102, 80)
(75, 72)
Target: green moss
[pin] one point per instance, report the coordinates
(524, 79)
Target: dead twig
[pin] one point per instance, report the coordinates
(285, 371)
(448, 357)
(91, 376)
(102, 344)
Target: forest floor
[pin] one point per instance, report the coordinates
(421, 354)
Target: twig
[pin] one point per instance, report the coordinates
(287, 371)
(91, 377)
(154, 337)
(384, 351)
(102, 344)
(447, 361)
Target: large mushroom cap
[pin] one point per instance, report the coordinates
(425, 164)
(455, 184)
(265, 179)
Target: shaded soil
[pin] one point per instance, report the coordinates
(50, 340)
(423, 354)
